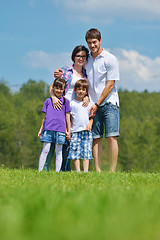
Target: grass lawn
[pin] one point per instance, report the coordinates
(50, 205)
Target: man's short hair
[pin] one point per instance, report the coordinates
(93, 33)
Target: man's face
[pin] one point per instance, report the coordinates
(94, 45)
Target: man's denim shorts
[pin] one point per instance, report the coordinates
(107, 117)
(52, 136)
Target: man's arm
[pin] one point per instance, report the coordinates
(106, 91)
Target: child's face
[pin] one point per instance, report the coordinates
(80, 93)
(58, 91)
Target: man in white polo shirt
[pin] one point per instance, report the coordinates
(103, 72)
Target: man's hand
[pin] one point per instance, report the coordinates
(93, 110)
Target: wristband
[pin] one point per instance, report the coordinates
(97, 105)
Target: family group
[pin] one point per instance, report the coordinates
(84, 106)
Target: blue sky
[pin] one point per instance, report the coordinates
(38, 36)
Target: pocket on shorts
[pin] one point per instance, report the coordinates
(60, 138)
(46, 136)
(114, 106)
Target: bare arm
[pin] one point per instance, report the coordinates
(58, 73)
(41, 128)
(89, 126)
(106, 91)
(68, 126)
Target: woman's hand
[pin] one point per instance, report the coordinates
(85, 101)
(57, 104)
(58, 73)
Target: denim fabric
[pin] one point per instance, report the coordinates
(54, 137)
(106, 116)
(66, 162)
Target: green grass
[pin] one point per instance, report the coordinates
(68, 206)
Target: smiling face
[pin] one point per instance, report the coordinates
(94, 46)
(58, 91)
(80, 93)
(80, 58)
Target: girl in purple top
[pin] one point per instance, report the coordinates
(55, 127)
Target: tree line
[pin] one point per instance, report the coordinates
(21, 116)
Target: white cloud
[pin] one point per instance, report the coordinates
(40, 59)
(106, 10)
(137, 72)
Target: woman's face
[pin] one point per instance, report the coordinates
(80, 58)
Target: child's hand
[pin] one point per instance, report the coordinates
(68, 135)
(89, 127)
(39, 133)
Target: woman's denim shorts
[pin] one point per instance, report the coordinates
(106, 117)
(52, 136)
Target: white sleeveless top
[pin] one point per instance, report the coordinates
(70, 95)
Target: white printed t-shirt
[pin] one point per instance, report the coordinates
(99, 70)
(79, 116)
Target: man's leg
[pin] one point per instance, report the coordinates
(97, 153)
(112, 152)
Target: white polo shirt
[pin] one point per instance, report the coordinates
(99, 70)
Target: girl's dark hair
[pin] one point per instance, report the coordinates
(93, 33)
(60, 83)
(79, 49)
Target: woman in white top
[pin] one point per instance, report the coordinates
(71, 75)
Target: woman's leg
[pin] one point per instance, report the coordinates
(65, 162)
